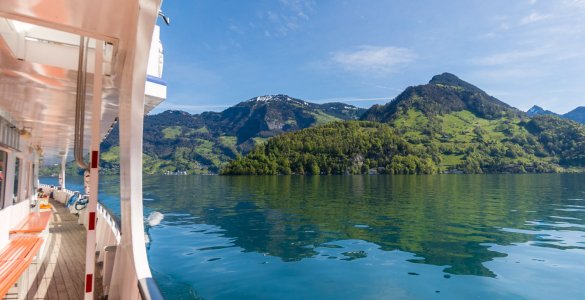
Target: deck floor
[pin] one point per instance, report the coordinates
(60, 275)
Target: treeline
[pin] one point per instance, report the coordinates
(543, 144)
(560, 137)
(352, 147)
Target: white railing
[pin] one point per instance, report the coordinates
(108, 235)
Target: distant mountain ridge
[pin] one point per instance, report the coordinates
(447, 125)
(537, 111)
(445, 93)
(577, 114)
(459, 125)
(201, 143)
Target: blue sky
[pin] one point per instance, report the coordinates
(363, 52)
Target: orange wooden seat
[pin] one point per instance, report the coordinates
(15, 259)
(35, 222)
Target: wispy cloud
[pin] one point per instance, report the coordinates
(509, 57)
(533, 18)
(372, 59)
(352, 99)
(190, 107)
(236, 29)
(288, 17)
(300, 8)
(507, 73)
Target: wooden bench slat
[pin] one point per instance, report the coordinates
(34, 222)
(15, 250)
(16, 257)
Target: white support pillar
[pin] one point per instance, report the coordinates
(96, 114)
(62, 171)
(131, 263)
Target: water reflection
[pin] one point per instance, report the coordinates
(411, 236)
(443, 220)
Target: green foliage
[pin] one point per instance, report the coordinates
(560, 137)
(413, 143)
(351, 147)
(171, 132)
(217, 137)
(446, 126)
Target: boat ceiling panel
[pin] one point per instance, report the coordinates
(41, 99)
(38, 84)
(102, 19)
(39, 46)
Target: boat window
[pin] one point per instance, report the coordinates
(16, 191)
(3, 156)
(34, 185)
(28, 180)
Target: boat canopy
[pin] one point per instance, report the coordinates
(40, 45)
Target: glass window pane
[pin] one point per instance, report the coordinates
(16, 191)
(3, 156)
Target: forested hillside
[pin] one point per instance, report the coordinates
(176, 141)
(447, 125)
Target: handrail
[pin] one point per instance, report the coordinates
(149, 289)
(111, 214)
(80, 103)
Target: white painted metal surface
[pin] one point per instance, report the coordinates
(39, 42)
(131, 259)
(39, 88)
(94, 172)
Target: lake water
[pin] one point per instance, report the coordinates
(365, 237)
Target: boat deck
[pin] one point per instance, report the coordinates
(60, 275)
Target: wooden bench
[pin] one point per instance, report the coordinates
(15, 259)
(35, 222)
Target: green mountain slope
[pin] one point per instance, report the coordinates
(577, 114)
(447, 125)
(202, 143)
(444, 94)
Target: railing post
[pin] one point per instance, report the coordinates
(62, 171)
(96, 113)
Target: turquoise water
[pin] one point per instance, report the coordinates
(366, 237)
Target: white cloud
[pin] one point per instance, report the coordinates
(288, 17)
(507, 74)
(509, 57)
(236, 29)
(373, 59)
(190, 107)
(301, 8)
(352, 99)
(533, 18)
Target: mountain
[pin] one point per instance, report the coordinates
(577, 114)
(537, 110)
(445, 93)
(447, 125)
(201, 143)
(267, 116)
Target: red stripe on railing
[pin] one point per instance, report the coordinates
(88, 283)
(91, 223)
(94, 159)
